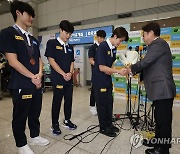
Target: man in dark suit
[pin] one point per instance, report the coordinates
(159, 85)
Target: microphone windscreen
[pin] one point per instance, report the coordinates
(130, 48)
(132, 57)
(123, 58)
(137, 48)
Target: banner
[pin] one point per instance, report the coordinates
(86, 36)
(169, 34)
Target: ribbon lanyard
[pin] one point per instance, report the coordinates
(64, 44)
(25, 38)
(65, 48)
(111, 52)
(28, 43)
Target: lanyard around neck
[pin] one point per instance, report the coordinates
(29, 46)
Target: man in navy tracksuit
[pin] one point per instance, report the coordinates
(23, 55)
(60, 55)
(101, 34)
(102, 81)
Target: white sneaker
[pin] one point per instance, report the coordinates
(38, 141)
(25, 150)
(93, 110)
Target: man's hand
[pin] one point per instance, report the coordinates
(38, 76)
(67, 76)
(129, 69)
(123, 71)
(108, 73)
(36, 80)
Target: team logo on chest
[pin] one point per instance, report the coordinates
(19, 38)
(59, 47)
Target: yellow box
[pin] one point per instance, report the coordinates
(175, 44)
(177, 97)
(176, 70)
(133, 97)
(119, 90)
(166, 37)
(122, 47)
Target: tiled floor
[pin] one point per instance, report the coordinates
(83, 118)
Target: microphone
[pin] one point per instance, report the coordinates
(144, 47)
(130, 48)
(116, 117)
(140, 48)
(137, 48)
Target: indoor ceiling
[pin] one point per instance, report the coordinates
(4, 6)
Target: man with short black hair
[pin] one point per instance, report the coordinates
(159, 85)
(60, 55)
(102, 81)
(23, 55)
(100, 37)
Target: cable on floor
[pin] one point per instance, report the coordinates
(80, 138)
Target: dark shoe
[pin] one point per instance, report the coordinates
(55, 129)
(148, 143)
(108, 132)
(69, 124)
(115, 129)
(157, 150)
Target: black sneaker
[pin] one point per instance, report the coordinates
(69, 124)
(108, 132)
(157, 150)
(55, 129)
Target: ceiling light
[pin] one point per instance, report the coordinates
(10, 1)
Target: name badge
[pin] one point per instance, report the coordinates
(59, 47)
(103, 89)
(34, 42)
(114, 51)
(59, 87)
(26, 96)
(70, 50)
(19, 38)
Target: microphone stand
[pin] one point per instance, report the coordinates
(129, 115)
(133, 117)
(146, 122)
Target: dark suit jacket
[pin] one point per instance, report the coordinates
(157, 71)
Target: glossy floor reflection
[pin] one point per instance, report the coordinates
(82, 117)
